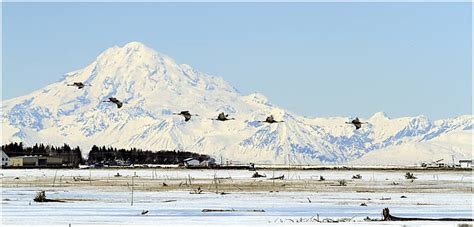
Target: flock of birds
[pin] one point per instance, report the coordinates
(221, 117)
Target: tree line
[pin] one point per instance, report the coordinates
(134, 155)
(101, 154)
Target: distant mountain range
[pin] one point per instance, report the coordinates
(153, 86)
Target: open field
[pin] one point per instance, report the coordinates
(97, 196)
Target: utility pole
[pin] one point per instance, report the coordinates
(131, 204)
(54, 180)
(289, 165)
(215, 182)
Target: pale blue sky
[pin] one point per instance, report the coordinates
(323, 59)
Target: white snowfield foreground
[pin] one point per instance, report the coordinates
(107, 199)
(153, 86)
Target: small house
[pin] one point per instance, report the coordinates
(24, 161)
(465, 163)
(35, 161)
(5, 159)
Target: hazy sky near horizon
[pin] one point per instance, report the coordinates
(314, 59)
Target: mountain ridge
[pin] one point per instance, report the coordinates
(154, 86)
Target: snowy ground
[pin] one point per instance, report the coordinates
(95, 202)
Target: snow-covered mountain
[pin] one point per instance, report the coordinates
(153, 86)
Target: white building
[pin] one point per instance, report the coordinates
(208, 163)
(465, 163)
(191, 162)
(5, 159)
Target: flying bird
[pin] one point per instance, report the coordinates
(223, 117)
(79, 85)
(271, 120)
(357, 123)
(116, 101)
(186, 115)
(144, 212)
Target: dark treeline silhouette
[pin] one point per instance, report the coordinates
(105, 155)
(70, 156)
(137, 156)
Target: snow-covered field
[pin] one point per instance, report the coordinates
(107, 199)
(368, 175)
(101, 207)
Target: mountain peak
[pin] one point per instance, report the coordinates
(134, 45)
(132, 50)
(133, 54)
(137, 48)
(136, 71)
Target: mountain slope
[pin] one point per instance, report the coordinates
(154, 86)
(455, 145)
